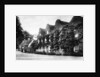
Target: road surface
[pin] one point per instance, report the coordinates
(32, 56)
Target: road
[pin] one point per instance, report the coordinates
(32, 56)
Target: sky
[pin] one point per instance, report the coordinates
(32, 23)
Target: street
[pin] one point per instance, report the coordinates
(32, 56)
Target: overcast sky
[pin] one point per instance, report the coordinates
(33, 23)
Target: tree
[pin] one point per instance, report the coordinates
(19, 33)
(26, 34)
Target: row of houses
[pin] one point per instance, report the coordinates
(63, 38)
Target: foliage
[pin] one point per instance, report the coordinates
(19, 33)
